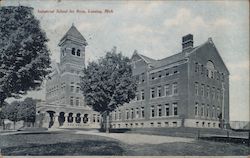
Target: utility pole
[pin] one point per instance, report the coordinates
(223, 106)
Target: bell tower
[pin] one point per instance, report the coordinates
(72, 62)
(72, 49)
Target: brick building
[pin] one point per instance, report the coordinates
(64, 106)
(190, 89)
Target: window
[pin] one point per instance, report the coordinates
(136, 113)
(132, 113)
(210, 69)
(77, 101)
(98, 118)
(142, 95)
(196, 67)
(166, 124)
(202, 109)
(175, 110)
(202, 90)
(196, 86)
(218, 95)
(167, 73)
(159, 111)
(152, 93)
(78, 52)
(159, 74)
(152, 76)
(94, 117)
(167, 90)
(63, 53)
(218, 75)
(197, 124)
(152, 111)
(142, 112)
(196, 109)
(77, 89)
(159, 91)
(158, 124)
(142, 124)
(175, 70)
(136, 96)
(72, 88)
(152, 124)
(115, 115)
(71, 100)
(218, 112)
(174, 124)
(73, 51)
(127, 114)
(208, 110)
(119, 115)
(212, 112)
(208, 91)
(175, 90)
(142, 77)
(167, 109)
(213, 93)
(222, 77)
(202, 69)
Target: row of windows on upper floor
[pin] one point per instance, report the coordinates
(207, 111)
(74, 51)
(155, 111)
(157, 75)
(160, 91)
(209, 71)
(72, 71)
(208, 92)
(56, 89)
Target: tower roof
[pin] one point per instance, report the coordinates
(73, 34)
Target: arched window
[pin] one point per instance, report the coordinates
(78, 118)
(73, 51)
(210, 69)
(78, 52)
(70, 118)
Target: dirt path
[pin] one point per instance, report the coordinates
(130, 138)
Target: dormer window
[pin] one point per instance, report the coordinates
(73, 51)
(78, 52)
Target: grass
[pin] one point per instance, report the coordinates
(68, 143)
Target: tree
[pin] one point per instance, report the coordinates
(108, 83)
(20, 110)
(28, 110)
(2, 114)
(24, 56)
(12, 112)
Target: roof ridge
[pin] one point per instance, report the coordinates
(73, 32)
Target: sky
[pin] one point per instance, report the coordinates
(154, 29)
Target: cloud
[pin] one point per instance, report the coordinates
(186, 19)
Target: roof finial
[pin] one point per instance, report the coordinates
(73, 24)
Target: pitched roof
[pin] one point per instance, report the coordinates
(165, 61)
(147, 59)
(169, 60)
(73, 32)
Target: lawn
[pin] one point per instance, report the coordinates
(68, 143)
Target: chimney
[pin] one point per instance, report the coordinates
(187, 42)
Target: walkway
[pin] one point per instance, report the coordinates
(130, 138)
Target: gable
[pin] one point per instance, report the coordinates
(207, 52)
